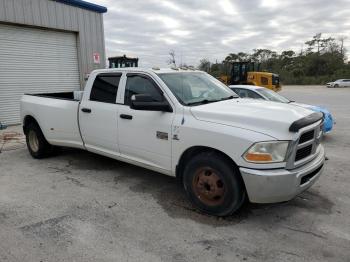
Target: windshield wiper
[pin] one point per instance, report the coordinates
(206, 101)
(202, 102)
(228, 98)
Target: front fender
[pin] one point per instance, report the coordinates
(231, 141)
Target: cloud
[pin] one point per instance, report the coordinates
(228, 7)
(200, 29)
(271, 3)
(166, 21)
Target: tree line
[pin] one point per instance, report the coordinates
(322, 61)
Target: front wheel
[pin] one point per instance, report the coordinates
(336, 85)
(213, 184)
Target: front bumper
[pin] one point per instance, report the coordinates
(278, 185)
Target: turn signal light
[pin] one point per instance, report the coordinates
(258, 157)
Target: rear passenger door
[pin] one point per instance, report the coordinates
(98, 115)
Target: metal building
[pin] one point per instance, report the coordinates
(47, 46)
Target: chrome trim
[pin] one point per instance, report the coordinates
(295, 146)
(305, 144)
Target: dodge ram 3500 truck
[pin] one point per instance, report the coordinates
(187, 124)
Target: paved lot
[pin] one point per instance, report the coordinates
(79, 206)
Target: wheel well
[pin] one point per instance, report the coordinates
(28, 120)
(192, 151)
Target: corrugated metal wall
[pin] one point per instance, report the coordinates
(34, 61)
(55, 15)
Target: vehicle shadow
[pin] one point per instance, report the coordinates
(169, 194)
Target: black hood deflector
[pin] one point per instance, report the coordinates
(303, 122)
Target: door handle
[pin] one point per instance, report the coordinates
(86, 110)
(129, 117)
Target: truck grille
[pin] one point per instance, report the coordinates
(306, 147)
(303, 152)
(307, 136)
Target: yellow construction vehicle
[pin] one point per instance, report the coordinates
(245, 73)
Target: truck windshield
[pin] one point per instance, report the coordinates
(195, 88)
(272, 96)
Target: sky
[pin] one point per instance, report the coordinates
(211, 29)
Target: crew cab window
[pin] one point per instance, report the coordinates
(105, 88)
(138, 84)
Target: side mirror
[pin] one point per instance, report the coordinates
(147, 103)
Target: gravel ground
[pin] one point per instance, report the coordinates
(79, 206)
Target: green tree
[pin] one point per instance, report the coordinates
(323, 61)
(204, 65)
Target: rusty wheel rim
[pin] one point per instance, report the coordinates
(208, 186)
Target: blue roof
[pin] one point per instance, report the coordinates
(85, 5)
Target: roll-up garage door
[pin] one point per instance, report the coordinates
(34, 61)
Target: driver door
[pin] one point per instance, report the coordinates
(144, 136)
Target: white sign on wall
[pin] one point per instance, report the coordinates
(97, 58)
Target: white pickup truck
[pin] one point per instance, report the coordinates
(187, 124)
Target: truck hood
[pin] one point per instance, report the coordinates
(270, 118)
(313, 108)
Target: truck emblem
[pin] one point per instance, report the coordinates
(162, 135)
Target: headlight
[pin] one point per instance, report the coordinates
(267, 152)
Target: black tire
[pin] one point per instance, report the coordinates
(222, 176)
(336, 86)
(40, 148)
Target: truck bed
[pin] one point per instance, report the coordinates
(57, 116)
(62, 95)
